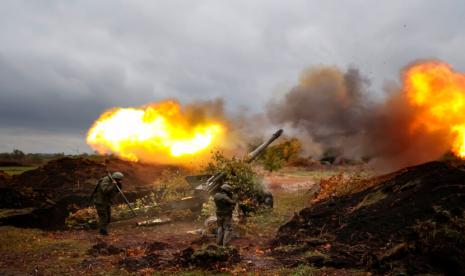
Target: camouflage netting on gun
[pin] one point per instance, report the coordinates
(247, 184)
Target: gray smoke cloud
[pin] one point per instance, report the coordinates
(327, 104)
(334, 110)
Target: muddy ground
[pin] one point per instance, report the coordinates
(410, 222)
(170, 248)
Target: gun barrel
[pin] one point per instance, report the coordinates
(213, 183)
(260, 149)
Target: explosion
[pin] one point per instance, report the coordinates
(438, 94)
(418, 121)
(161, 132)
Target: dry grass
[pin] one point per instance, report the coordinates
(32, 250)
(344, 184)
(371, 199)
(14, 170)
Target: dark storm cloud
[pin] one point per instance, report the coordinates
(44, 98)
(63, 63)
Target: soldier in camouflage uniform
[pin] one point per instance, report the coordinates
(224, 208)
(102, 197)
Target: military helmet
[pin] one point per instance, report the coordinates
(227, 188)
(117, 176)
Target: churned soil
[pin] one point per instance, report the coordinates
(4, 178)
(386, 227)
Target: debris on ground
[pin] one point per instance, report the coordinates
(85, 218)
(152, 222)
(103, 248)
(133, 264)
(209, 257)
(157, 245)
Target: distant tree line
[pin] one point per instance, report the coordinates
(19, 158)
(278, 155)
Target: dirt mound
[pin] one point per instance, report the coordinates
(103, 248)
(82, 174)
(4, 178)
(133, 258)
(133, 264)
(209, 257)
(407, 222)
(63, 185)
(48, 214)
(156, 245)
(6, 163)
(74, 177)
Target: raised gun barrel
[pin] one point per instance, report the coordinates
(260, 149)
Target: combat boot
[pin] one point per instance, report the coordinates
(103, 232)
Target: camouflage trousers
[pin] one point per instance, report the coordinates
(224, 233)
(104, 215)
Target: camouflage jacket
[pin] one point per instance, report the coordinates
(105, 191)
(224, 204)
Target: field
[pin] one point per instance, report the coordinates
(14, 170)
(32, 251)
(329, 220)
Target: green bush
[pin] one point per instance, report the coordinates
(276, 156)
(171, 185)
(240, 174)
(272, 160)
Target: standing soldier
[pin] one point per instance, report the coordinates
(224, 208)
(102, 197)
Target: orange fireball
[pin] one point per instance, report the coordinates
(438, 94)
(160, 132)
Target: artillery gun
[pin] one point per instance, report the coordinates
(203, 187)
(206, 185)
(214, 182)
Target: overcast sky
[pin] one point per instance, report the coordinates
(62, 63)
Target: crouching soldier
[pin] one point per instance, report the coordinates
(102, 197)
(224, 208)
